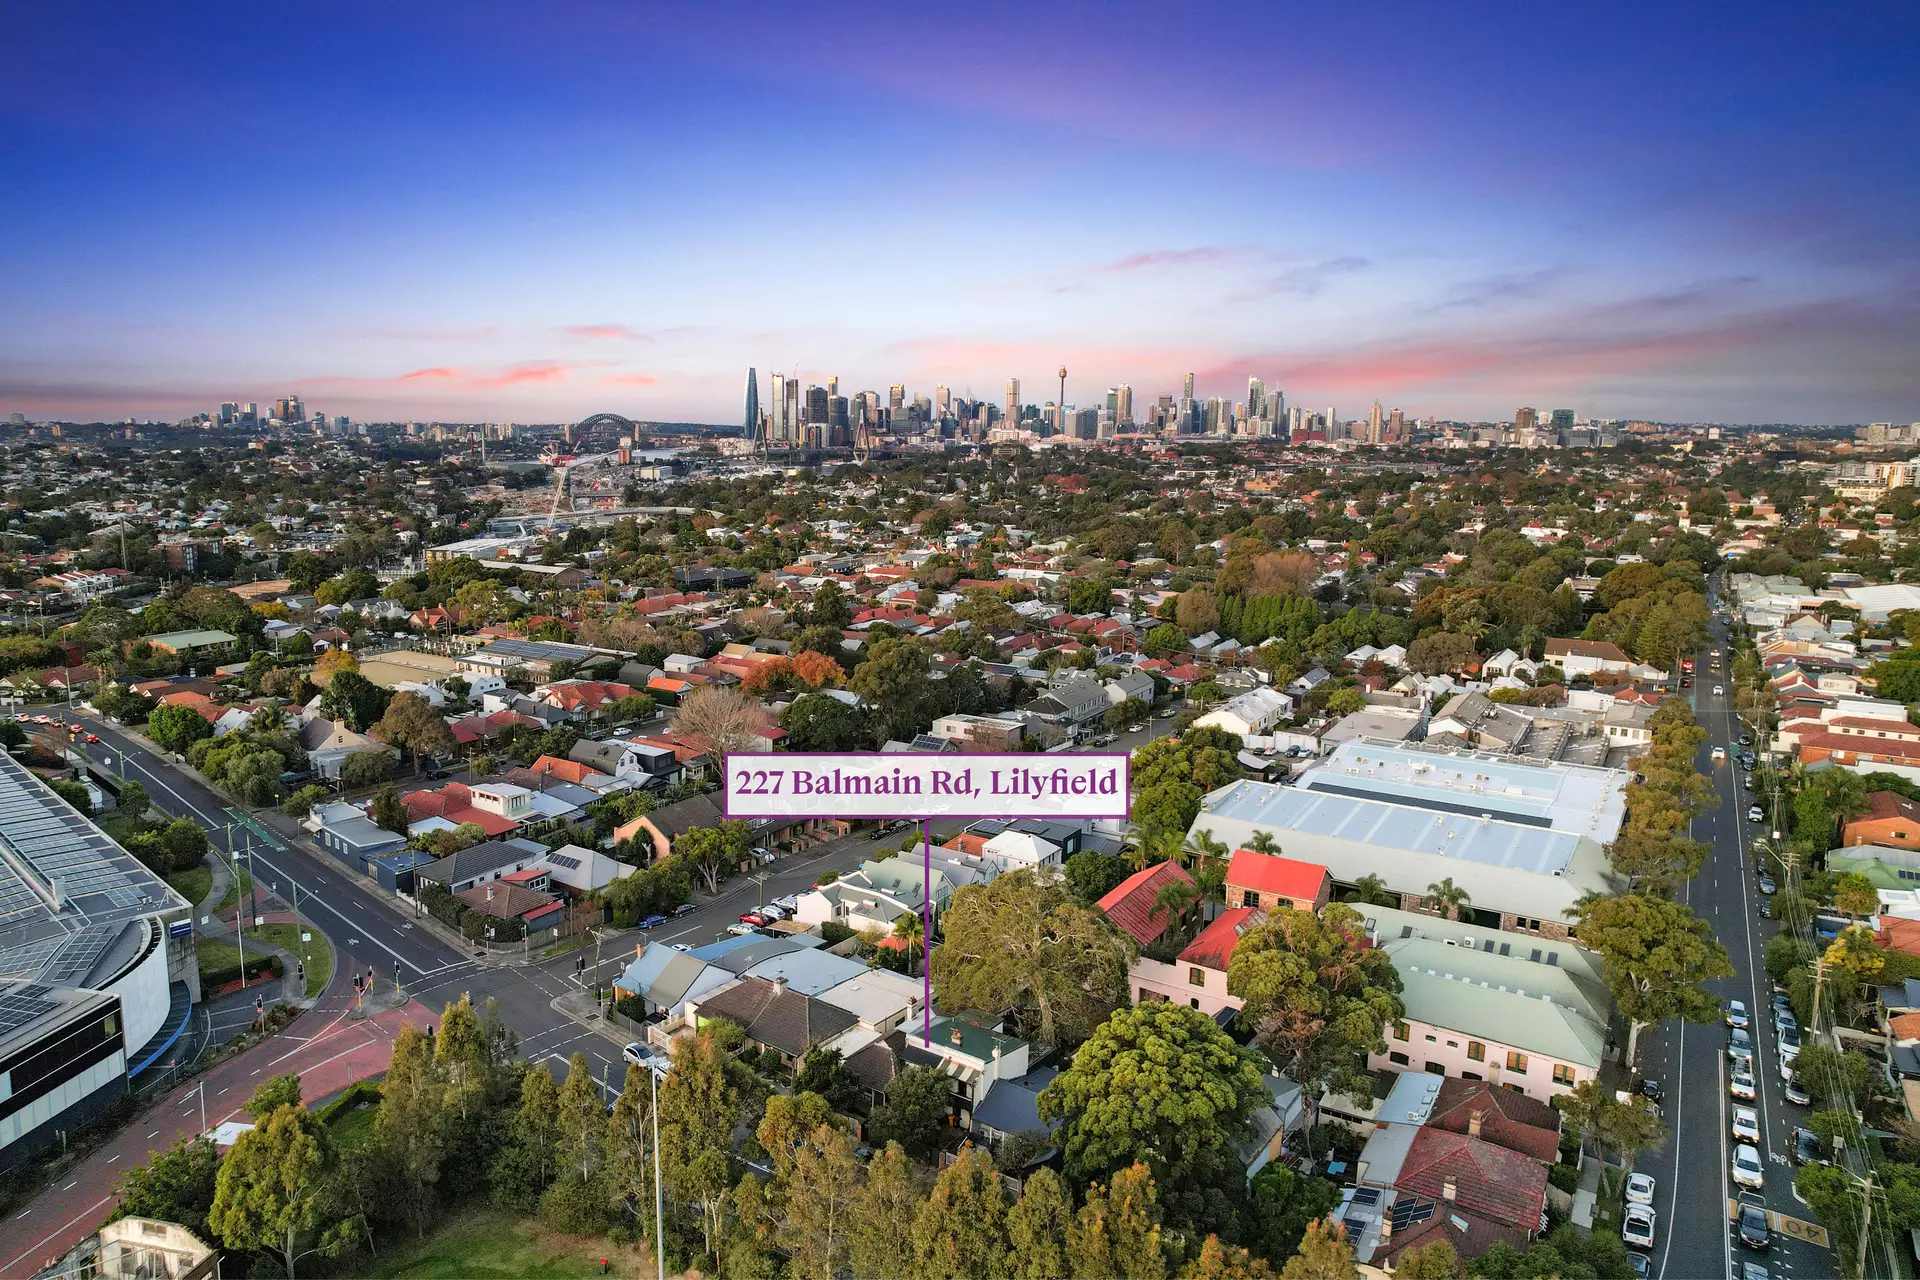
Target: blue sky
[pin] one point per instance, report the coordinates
(534, 212)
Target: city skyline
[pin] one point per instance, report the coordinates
(467, 215)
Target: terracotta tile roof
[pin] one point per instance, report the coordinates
(1899, 934)
(1904, 1026)
(1489, 1181)
(507, 901)
(565, 770)
(1271, 873)
(1129, 904)
(1507, 1118)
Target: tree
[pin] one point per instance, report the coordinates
(1655, 957)
(366, 768)
(175, 1185)
(894, 681)
(823, 1072)
(819, 722)
(915, 1111)
(1447, 899)
(829, 607)
(1217, 1261)
(1196, 611)
(1281, 1202)
(1316, 999)
(526, 1166)
(1437, 1260)
(960, 1231)
(821, 1194)
(1855, 896)
(629, 1151)
(1439, 652)
(1091, 875)
(1371, 889)
(877, 1243)
(132, 802)
(411, 724)
(271, 1095)
(353, 700)
(1324, 1254)
(1164, 1086)
(1037, 1226)
(413, 1121)
(177, 728)
(701, 1102)
(1022, 942)
(1165, 641)
(270, 1191)
(719, 721)
(388, 811)
(1117, 1231)
(330, 664)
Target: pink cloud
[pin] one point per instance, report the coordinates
(439, 372)
(544, 371)
(631, 380)
(1175, 258)
(603, 331)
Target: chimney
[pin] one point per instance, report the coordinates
(957, 1037)
(489, 893)
(1450, 1189)
(1386, 1227)
(779, 982)
(1473, 1124)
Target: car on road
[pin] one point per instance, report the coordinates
(93, 739)
(1797, 1094)
(682, 946)
(1167, 714)
(1652, 1090)
(1766, 885)
(1753, 1229)
(1740, 1045)
(1686, 682)
(1754, 814)
(1636, 1226)
(1752, 1271)
(1747, 1169)
(1746, 1124)
(1719, 754)
(1806, 1146)
(1640, 1188)
(1736, 1013)
(1718, 690)
(1740, 1084)
(653, 922)
(684, 909)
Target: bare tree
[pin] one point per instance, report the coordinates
(720, 721)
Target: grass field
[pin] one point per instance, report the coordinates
(241, 884)
(480, 1244)
(353, 1126)
(215, 954)
(318, 954)
(193, 883)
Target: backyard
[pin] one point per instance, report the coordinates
(481, 1244)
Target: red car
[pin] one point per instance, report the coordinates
(93, 739)
(753, 917)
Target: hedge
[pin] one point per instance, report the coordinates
(255, 966)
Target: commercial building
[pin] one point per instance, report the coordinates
(96, 961)
(1524, 840)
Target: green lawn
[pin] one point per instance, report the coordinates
(193, 883)
(215, 954)
(318, 954)
(242, 883)
(480, 1244)
(352, 1127)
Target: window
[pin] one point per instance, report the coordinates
(110, 1025)
(1516, 1062)
(1476, 1051)
(1433, 1039)
(1453, 1044)
(1470, 1075)
(1535, 957)
(1195, 1002)
(1562, 1073)
(1196, 976)
(1401, 1031)
(1398, 1059)
(1436, 1069)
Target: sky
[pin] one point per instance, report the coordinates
(474, 211)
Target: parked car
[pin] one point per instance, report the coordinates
(1755, 813)
(1640, 1188)
(653, 922)
(1746, 1124)
(1765, 908)
(1747, 1169)
(1754, 1232)
(771, 912)
(1752, 1271)
(1785, 1022)
(1736, 1013)
(1636, 1226)
(791, 902)
(740, 930)
(1781, 1004)
(682, 947)
(753, 918)
(1786, 1070)
(1806, 1146)
(1641, 1264)
(1797, 1094)
(1652, 1090)
(637, 1053)
(684, 909)
(1765, 883)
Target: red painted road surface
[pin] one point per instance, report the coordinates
(327, 1048)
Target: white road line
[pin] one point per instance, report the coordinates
(1726, 1231)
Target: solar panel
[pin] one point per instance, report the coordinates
(18, 1008)
(1366, 1195)
(566, 860)
(1409, 1211)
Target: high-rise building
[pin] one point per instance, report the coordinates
(1524, 420)
(1563, 419)
(833, 385)
(896, 397)
(1256, 398)
(816, 406)
(1277, 402)
(942, 402)
(1123, 416)
(1113, 403)
(793, 410)
(229, 413)
(1013, 401)
(753, 401)
(777, 407)
(1375, 424)
(1397, 425)
(1188, 393)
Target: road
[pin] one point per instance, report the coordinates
(1691, 1061)
(368, 931)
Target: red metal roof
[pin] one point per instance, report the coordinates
(1214, 947)
(1270, 873)
(1130, 903)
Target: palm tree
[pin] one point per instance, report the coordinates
(1373, 890)
(1447, 899)
(912, 930)
(1263, 842)
(1177, 899)
(1211, 880)
(1201, 849)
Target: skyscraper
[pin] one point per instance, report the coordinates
(753, 401)
(1375, 424)
(1397, 425)
(1188, 393)
(833, 386)
(777, 407)
(1124, 417)
(896, 397)
(1256, 398)
(1333, 425)
(1013, 401)
(793, 409)
(1524, 420)
(942, 402)
(816, 405)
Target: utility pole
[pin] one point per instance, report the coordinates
(659, 1199)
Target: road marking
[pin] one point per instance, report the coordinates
(23, 1213)
(8, 1268)
(154, 1134)
(71, 1185)
(112, 1158)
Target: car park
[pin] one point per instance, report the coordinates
(1640, 1188)
(1747, 1168)
(1746, 1124)
(1753, 1229)
(1636, 1226)
(1736, 1013)
(1740, 1084)
(1806, 1146)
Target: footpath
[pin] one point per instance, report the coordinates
(332, 1045)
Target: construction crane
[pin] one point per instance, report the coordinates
(566, 466)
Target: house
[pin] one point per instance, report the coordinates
(1432, 1184)
(873, 897)
(540, 914)
(645, 765)
(578, 869)
(1587, 657)
(1074, 703)
(775, 1017)
(1130, 905)
(328, 743)
(481, 863)
(1481, 722)
(665, 980)
(1258, 880)
(1479, 1109)
(1254, 712)
(1012, 1106)
(976, 1053)
(1197, 976)
(1891, 820)
(355, 838)
(190, 642)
